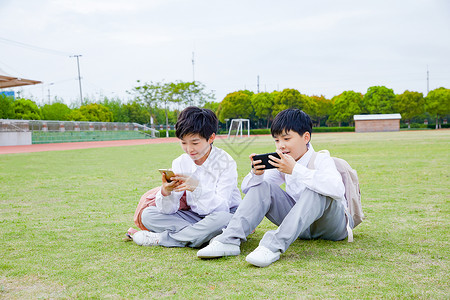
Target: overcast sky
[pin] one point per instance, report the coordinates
(321, 47)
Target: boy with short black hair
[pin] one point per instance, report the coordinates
(312, 207)
(205, 176)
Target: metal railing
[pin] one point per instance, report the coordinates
(63, 126)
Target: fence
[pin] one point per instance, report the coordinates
(77, 131)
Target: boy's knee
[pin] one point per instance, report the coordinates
(149, 212)
(149, 215)
(264, 187)
(310, 194)
(263, 190)
(222, 217)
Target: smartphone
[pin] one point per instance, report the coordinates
(169, 173)
(265, 159)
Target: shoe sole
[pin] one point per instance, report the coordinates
(260, 264)
(218, 255)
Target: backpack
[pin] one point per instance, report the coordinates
(351, 184)
(148, 199)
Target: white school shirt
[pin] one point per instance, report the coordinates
(324, 179)
(217, 189)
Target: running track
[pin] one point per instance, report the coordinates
(84, 145)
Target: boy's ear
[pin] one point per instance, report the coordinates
(211, 138)
(307, 137)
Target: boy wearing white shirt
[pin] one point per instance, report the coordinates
(206, 175)
(312, 207)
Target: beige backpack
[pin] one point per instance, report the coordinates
(351, 184)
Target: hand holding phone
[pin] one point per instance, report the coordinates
(264, 158)
(168, 173)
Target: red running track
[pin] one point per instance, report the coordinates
(84, 145)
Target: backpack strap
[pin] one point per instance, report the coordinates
(311, 161)
(347, 215)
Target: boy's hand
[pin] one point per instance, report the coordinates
(257, 169)
(186, 183)
(285, 163)
(168, 187)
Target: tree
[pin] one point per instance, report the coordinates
(291, 98)
(236, 105)
(409, 105)
(26, 109)
(320, 109)
(437, 103)
(6, 107)
(55, 111)
(345, 106)
(136, 112)
(150, 95)
(263, 104)
(92, 112)
(119, 110)
(193, 93)
(212, 105)
(179, 93)
(378, 100)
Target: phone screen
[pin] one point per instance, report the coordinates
(265, 159)
(169, 173)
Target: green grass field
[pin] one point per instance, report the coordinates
(63, 216)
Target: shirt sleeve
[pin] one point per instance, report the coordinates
(271, 176)
(169, 204)
(214, 191)
(324, 179)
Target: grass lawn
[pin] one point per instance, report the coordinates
(63, 215)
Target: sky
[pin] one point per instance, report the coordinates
(321, 47)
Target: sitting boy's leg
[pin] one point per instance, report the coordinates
(184, 228)
(260, 200)
(333, 223)
(202, 231)
(156, 221)
(309, 208)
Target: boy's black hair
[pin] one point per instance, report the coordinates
(194, 120)
(291, 119)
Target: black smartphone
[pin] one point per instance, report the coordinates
(265, 159)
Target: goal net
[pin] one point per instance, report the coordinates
(238, 127)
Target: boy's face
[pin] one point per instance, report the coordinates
(197, 147)
(292, 143)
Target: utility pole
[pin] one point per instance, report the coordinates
(193, 70)
(49, 99)
(258, 83)
(79, 77)
(428, 80)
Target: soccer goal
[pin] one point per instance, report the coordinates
(237, 126)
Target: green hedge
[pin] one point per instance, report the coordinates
(333, 129)
(315, 129)
(260, 131)
(162, 133)
(421, 125)
(433, 126)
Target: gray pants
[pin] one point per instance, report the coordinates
(184, 228)
(313, 216)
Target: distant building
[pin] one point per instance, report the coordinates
(8, 94)
(381, 122)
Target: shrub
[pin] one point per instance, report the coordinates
(162, 133)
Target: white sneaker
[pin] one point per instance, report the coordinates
(146, 238)
(218, 249)
(262, 257)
